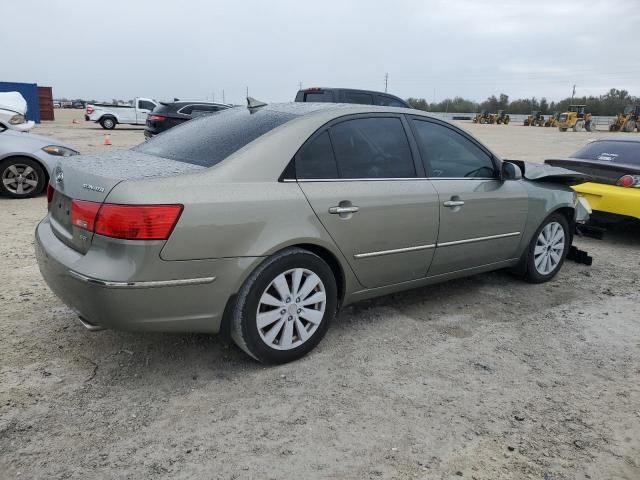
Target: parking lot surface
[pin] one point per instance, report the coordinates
(486, 377)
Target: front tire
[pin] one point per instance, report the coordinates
(285, 307)
(21, 177)
(548, 249)
(108, 123)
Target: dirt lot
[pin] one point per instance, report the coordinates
(484, 378)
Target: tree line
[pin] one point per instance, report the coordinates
(609, 104)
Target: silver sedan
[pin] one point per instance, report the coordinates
(26, 162)
(263, 222)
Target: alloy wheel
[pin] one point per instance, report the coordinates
(20, 179)
(549, 248)
(291, 309)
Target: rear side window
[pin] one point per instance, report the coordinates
(209, 139)
(450, 154)
(389, 101)
(194, 109)
(611, 152)
(358, 97)
(315, 160)
(372, 148)
(322, 96)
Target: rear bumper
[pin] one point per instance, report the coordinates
(181, 297)
(611, 198)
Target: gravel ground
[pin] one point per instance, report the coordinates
(483, 378)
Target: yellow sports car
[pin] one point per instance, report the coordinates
(614, 166)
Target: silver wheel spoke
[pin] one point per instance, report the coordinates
(296, 279)
(14, 170)
(27, 171)
(33, 183)
(267, 318)
(313, 299)
(9, 181)
(273, 333)
(538, 250)
(270, 300)
(282, 287)
(19, 189)
(302, 332)
(310, 283)
(287, 336)
(313, 316)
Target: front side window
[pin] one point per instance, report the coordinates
(450, 154)
(315, 160)
(372, 148)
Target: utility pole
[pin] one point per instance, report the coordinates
(386, 81)
(223, 96)
(246, 92)
(573, 93)
(299, 85)
(213, 95)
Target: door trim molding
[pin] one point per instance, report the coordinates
(395, 250)
(478, 239)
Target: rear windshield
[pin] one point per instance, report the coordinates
(611, 152)
(207, 140)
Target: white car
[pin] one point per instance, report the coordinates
(13, 108)
(108, 116)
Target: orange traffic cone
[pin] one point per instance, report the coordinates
(74, 121)
(107, 139)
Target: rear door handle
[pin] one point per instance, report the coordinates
(453, 203)
(341, 210)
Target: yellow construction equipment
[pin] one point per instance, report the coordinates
(627, 121)
(576, 119)
(552, 120)
(502, 118)
(535, 119)
(482, 117)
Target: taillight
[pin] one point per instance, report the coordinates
(89, 109)
(129, 222)
(157, 118)
(50, 192)
(629, 181)
(83, 214)
(137, 222)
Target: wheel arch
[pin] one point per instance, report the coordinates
(324, 253)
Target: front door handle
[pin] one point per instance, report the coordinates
(453, 203)
(342, 210)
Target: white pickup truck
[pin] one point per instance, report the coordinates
(108, 116)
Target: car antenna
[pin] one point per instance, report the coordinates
(253, 104)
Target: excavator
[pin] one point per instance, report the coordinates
(576, 119)
(535, 119)
(627, 121)
(552, 120)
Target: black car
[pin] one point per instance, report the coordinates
(349, 95)
(169, 114)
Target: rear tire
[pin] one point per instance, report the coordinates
(271, 321)
(21, 177)
(562, 129)
(548, 249)
(108, 123)
(630, 126)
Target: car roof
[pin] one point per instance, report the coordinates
(617, 139)
(199, 102)
(309, 108)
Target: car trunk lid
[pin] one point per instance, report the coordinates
(90, 178)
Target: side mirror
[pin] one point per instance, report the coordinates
(510, 171)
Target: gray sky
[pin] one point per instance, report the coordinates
(192, 48)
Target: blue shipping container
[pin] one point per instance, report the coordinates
(30, 93)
